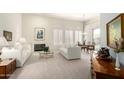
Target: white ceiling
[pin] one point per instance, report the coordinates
(73, 16)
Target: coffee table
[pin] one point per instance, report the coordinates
(46, 54)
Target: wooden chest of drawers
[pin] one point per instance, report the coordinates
(7, 67)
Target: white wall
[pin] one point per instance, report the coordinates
(30, 21)
(104, 19)
(89, 27)
(11, 22)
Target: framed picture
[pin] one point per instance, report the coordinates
(7, 35)
(115, 30)
(39, 33)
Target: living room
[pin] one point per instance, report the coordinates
(59, 30)
(57, 45)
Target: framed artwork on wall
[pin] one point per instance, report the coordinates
(115, 30)
(39, 33)
(7, 35)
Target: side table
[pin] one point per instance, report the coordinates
(7, 67)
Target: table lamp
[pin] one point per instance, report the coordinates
(3, 43)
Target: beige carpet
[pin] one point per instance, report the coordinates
(56, 67)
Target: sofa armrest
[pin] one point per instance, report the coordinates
(74, 52)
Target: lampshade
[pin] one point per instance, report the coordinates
(3, 42)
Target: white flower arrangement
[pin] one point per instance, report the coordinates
(119, 45)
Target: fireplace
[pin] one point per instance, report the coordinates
(39, 47)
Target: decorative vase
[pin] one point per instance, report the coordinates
(0, 57)
(117, 64)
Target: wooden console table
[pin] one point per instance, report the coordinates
(101, 69)
(7, 67)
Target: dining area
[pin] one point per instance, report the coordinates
(87, 47)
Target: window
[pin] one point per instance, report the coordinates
(69, 37)
(58, 37)
(78, 36)
(96, 38)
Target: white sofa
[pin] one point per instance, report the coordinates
(21, 52)
(71, 52)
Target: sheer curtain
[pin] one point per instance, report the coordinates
(69, 37)
(58, 37)
(78, 36)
